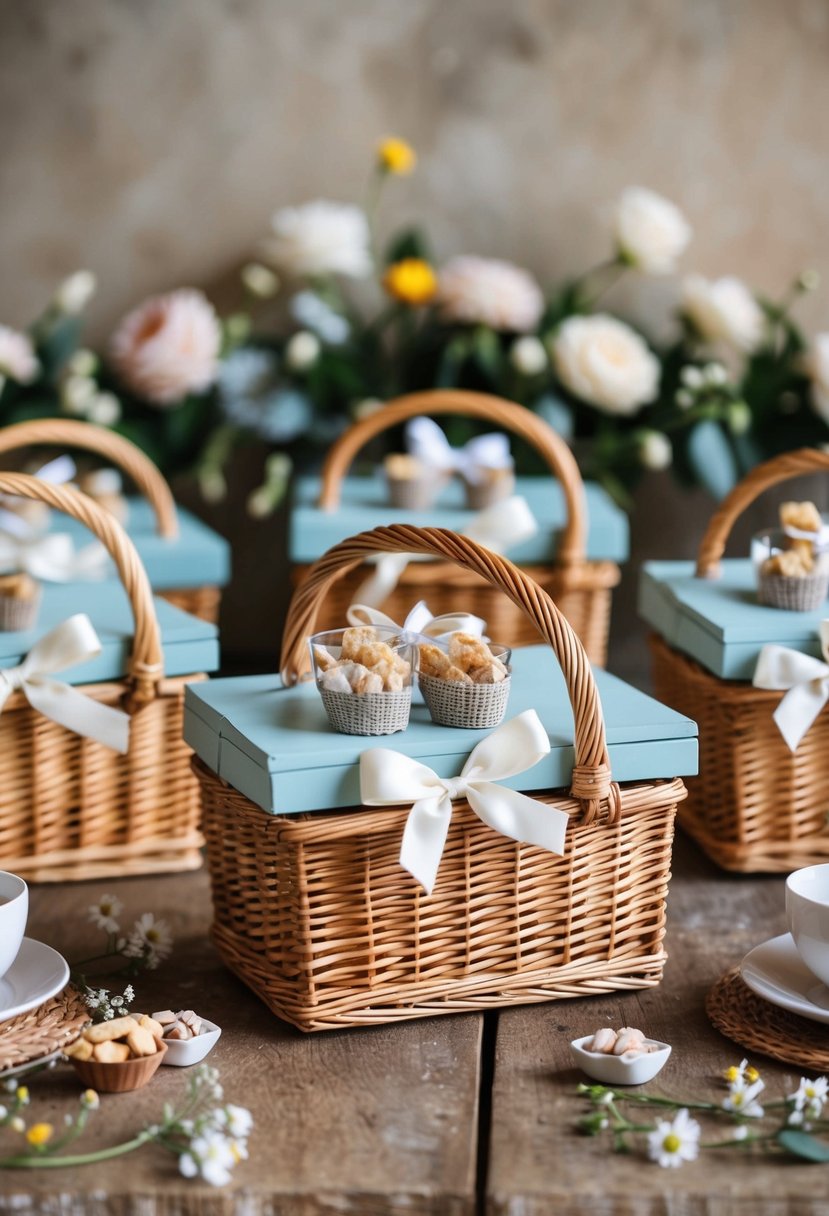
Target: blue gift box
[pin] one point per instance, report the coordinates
(718, 621)
(364, 504)
(189, 644)
(275, 746)
(197, 557)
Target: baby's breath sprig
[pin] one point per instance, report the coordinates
(784, 1125)
(207, 1135)
(147, 944)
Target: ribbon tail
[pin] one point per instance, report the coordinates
(77, 712)
(379, 585)
(424, 838)
(798, 709)
(516, 815)
(364, 614)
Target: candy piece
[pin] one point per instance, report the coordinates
(108, 1052)
(491, 673)
(324, 658)
(466, 651)
(628, 1039)
(336, 680)
(178, 1031)
(165, 1017)
(402, 467)
(104, 1031)
(81, 1049)
(355, 639)
(801, 515)
(190, 1019)
(603, 1040)
(18, 586)
(792, 563)
(141, 1042)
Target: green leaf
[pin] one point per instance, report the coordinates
(487, 351)
(58, 343)
(410, 243)
(801, 1144)
(712, 459)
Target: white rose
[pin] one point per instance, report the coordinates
(17, 357)
(105, 410)
(74, 293)
(490, 291)
(321, 238)
(650, 231)
(655, 450)
(605, 363)
(302, 351)
(817, 367)
(528, 356)
(723, 310)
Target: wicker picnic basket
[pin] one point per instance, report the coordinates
(315, 914)
(580, 588)
(71, 808)
(756, 806)
(202, 601)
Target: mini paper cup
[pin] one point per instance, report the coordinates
(372, 713)
(18, 614)
(415, 493)
(495, 485)
(465, 705)
(804, 594)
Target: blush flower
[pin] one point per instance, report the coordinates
(320, 238)
(605, 363)
(488, 291)
(17, 356)
(168, 347)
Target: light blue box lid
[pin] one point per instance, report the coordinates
(364, 505)
(719, 622)
(190, 645)
(197, 557)
(274, 744)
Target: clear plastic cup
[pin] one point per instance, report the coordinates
(370, 697)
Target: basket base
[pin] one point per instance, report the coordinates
(121, 861)
(406, 1003)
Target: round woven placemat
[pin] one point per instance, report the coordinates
(757, 1025)
(42, 1031)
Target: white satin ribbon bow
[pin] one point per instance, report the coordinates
(428, 444)
(820, 539)
(419, 623)
(388, 778)
(499, 528)
(56, 473)
(52, 558)
(72, 642)
(805, 681)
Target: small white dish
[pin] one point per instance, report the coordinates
(181, 1053)
(37, 973)
(627, 1069)
(777, 973)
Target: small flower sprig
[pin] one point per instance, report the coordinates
(147, 944)
(207, 1135)
(785, 1125)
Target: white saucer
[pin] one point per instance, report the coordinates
(37, 973)
(776, 972)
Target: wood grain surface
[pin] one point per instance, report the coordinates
(389, 1121)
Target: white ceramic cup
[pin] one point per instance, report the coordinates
(807, 911)
(14, 909)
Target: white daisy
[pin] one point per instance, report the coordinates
(104, 914)
(669, 1144)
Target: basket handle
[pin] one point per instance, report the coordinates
(496, 410)
(591, 783)
(763, 477)
(146, 663)
(115, 448)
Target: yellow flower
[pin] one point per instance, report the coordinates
(752, 1075)
(732, 1074)
(90, 1099)
(39, 1134)
(412, 280)
(23, 1095)
(396, 156)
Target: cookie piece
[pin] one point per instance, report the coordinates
(355, 639)
(801, 515)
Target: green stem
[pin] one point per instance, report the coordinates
(103, 1154)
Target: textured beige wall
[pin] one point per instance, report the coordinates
(150, 139)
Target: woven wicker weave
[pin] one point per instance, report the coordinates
(470, 706)
(755, 806)
(804, 594)
(69, 433)
(378, 713)
(316, 915)
(580, 588)
(42, 1031)
(757, 1025)
(71, 808)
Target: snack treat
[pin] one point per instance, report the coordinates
(186, 1024)
(411, 485)
(466, 684)
(795, 575)
(490, 485)
(364, 679)
(128, 1038)
(627, 1042)
(19, 601)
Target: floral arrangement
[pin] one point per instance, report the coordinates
(207, 1136)
(785, 1125)
(147, 944)
(352, 320)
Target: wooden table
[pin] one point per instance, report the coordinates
(455, 1115)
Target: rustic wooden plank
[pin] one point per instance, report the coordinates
(539, 1165)
(372, 1121)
